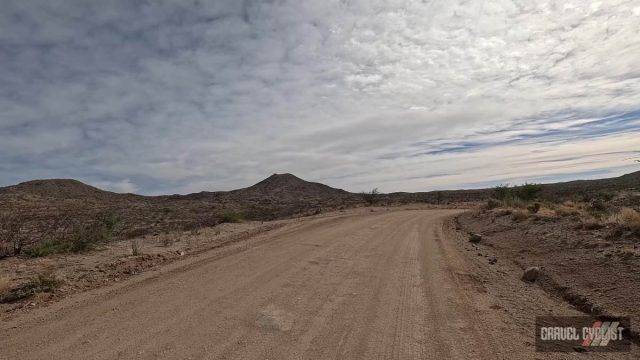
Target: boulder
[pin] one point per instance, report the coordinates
(531, 274)
(475, 238)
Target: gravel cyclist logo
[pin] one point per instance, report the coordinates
(601, 333)
(582, 333)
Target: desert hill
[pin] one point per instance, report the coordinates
(43, 208)
(290, 186)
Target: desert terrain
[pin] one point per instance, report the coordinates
(328, 274)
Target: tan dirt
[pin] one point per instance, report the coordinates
(379, 285)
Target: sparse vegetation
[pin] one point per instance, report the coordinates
(5, 286)
(534, 208)
(567, 209)
(46, 248)
(11, 235)
(627, 218)
(493, 204)
(231, 217)
(43, 282)
(69, 236)
(135, 247)
(370, 197)
(526, 193)
(438, 197)
(592, 223)
(502, 192)
(519, 215)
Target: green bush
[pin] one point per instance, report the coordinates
(47, 248)
(231, 217)
(370, 197)
(77, 237)
(527, 192)
(502, 192)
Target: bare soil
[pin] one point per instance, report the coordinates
(595, 270)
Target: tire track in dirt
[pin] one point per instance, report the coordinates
(382, 286)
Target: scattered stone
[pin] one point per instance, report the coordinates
(475, 238)
(531, 274)
(493, 260)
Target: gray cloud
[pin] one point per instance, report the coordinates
(180, 96)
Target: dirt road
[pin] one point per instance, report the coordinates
(386, 285)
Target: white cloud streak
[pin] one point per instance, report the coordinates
(406, 95)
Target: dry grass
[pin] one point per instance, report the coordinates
(135, 247)
(626, 217)
(592, 223)
(519, 215)
(570, 208)
(5, 285)
(493, 204)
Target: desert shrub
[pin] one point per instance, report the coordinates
(73, 236)
(627, 218)
(523, 193)
(602, 196)
(527, 192)
(569, 208)
(591, 223)
(438, 197)
(519, 215)
(534, 208)
(370, 197)
(76, 238)
(5, 250)
(231, 217)
(256, 212)
(493, 203)
(12, 237)
(5, 286)
(515, 202)
(47, 248)
(110, 222)
(84, 238)
(43, 282)
(135, 247)
(597, 206)
(502, 192)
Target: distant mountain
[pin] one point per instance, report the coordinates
(578, 187)
(290, 186)
(55, 188)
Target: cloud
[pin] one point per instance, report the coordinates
(122, 186)
(405, 95)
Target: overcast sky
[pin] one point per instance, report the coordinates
(182, 96)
